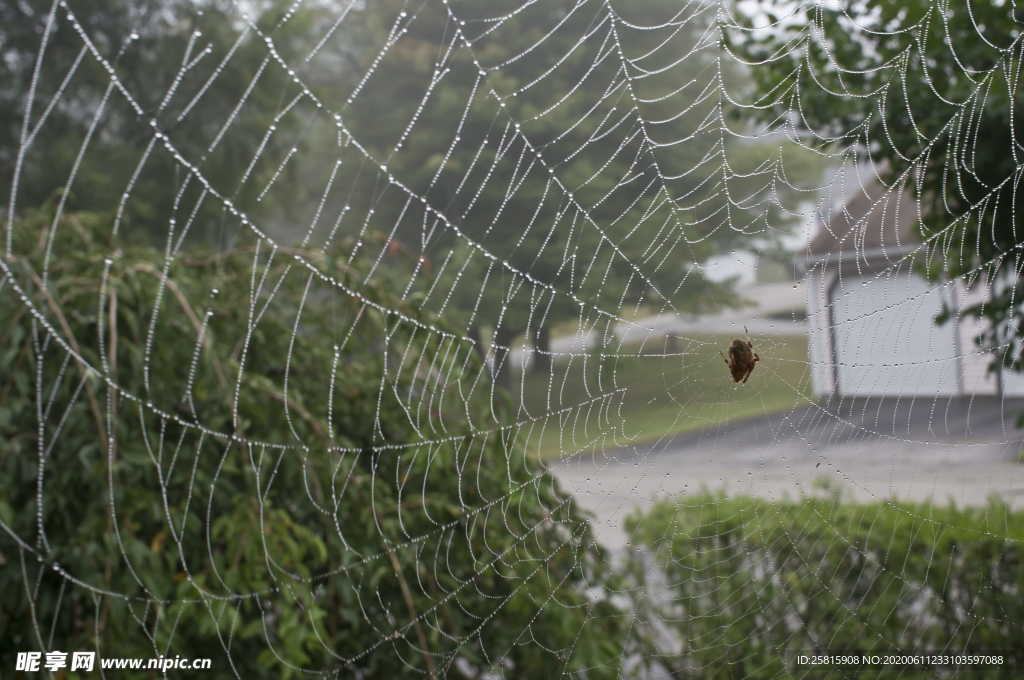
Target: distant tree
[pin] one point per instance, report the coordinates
(172, 59)
(572, 103)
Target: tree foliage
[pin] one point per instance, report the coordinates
(190, 71)
(929, 92)
(205, 476)
(589, 156)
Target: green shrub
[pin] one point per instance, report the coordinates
(753, 584)
(185, 470)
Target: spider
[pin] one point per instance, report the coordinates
(742, 358)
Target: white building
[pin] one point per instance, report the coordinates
(871, 316)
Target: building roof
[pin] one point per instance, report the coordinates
(873, 220)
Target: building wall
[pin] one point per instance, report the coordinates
(974, 362)
(1011, 382)
(887, 342)
(970, 375)
(819, 333)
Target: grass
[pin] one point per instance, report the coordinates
(635, 395)
(628, 313)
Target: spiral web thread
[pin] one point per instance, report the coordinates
(616, 231)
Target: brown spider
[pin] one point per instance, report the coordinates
(742, 358)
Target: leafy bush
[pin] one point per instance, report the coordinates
(752, 584)
(196, 461)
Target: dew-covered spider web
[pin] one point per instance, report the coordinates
(340, 338)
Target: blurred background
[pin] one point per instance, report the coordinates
(360, 338)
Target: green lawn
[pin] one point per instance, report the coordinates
(636, 394)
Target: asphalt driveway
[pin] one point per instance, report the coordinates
(960, 449)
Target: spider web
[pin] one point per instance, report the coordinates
(372, 302)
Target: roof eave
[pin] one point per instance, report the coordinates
(808, 261)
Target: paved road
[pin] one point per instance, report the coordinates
(873, 448)
(765, 298)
